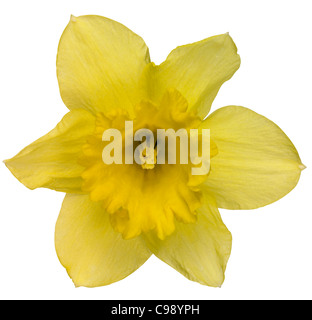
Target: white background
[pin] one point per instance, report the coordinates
(271, 256)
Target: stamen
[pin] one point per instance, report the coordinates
(148, 164)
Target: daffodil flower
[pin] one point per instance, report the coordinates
(114, 217)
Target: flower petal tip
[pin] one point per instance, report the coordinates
(6, 163)
(302, 166)
(73, 18)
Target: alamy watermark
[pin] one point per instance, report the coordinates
(151, 151)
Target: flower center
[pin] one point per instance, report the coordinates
(143, 196)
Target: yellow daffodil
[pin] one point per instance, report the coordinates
(114, 217)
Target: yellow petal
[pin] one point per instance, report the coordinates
(99, 63)
(256, 163)
(51, 161)
(196, 70)
(88, 247)
(200, 250)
